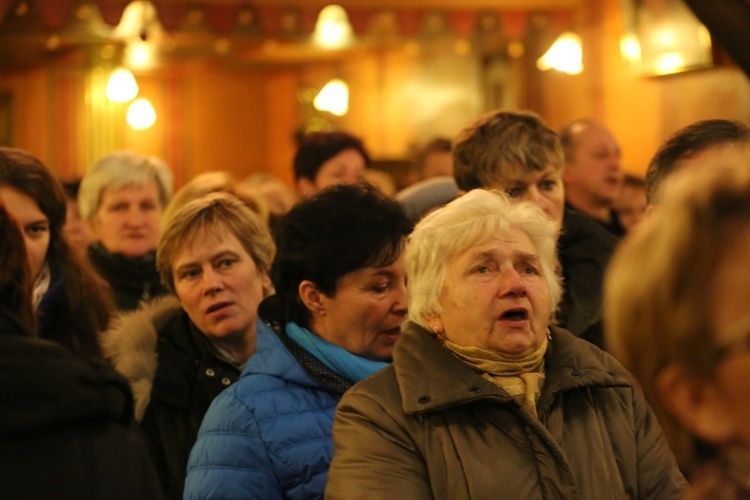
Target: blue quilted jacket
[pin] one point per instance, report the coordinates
(268, 435)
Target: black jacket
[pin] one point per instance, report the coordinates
(131, 280)
(585, 248)
(175, 374)
(66, 425)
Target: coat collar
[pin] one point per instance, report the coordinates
(430, 378)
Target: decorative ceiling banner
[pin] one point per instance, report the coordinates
(359, 18)
(269, 18)
(111, 10)
(170, 14)
(222, 16)
(463, 22)
(54, 13)
(308, 18)
(561, 19)
(514, 23)
(410, 21)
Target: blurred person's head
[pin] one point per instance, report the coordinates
(435, 159)
(217, 181)
(513, 152)
(339, 269)
(214, 254)
(592, 167)
(279, 197)
(682, 277)
(707, 144)
(630, 202)
(327, 158)
(76, 231)
(122, 197)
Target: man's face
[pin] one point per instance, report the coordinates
(594, 171)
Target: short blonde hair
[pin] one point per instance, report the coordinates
(469, 220)
(213, 213)
(655, 291)
(118, 170)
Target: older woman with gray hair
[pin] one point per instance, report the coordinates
(122, 198)
(484, 397)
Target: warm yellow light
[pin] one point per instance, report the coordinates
(141, 114)
(565, 55)
(630, 48)
(121, 86)
(139, 55)
(332, 30)
(669, 62)
(334, 98)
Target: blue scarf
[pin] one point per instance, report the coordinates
(350, 366)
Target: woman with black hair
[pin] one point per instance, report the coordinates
(340, 300)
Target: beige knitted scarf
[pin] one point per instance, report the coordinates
(521, 378)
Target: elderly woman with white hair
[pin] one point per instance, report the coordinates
(485, 398)
(122, 198)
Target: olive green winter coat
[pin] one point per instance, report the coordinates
(430, 427)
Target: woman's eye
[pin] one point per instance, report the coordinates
(382, 288)
(36, 230)
(482, 270)
(186, 275)
(513, 192)
(530, 270)
(226, 263)
(548, 185)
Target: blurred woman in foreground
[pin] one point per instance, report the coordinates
(66, 422)
(690, 346)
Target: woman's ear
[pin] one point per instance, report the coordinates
(696, 404)
(312, 298)
(435, 322)
(265, 282)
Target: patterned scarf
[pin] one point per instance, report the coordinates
(521, 378)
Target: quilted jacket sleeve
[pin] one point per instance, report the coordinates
(374, 456)
(229, 460)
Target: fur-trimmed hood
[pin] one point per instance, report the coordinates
(130, 346)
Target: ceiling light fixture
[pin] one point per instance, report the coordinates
(565, 55)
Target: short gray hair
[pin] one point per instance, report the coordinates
(469, 220)
(121, 169)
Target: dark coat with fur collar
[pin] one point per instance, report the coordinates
(175, 374)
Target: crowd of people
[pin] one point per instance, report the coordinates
(526, 320)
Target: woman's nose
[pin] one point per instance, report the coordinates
(211, 281)
(512, 283)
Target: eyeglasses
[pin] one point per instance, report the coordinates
(739, 343)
